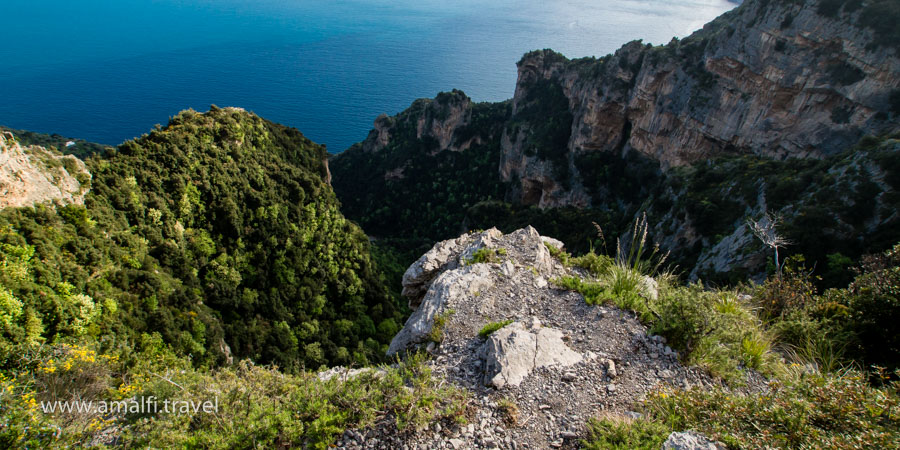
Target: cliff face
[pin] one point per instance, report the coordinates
(438, 120)
(418, 172)
(34, 174)
(775, 79)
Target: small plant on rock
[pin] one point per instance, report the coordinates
(486, 255)
(436, 334)
(488, 329)
(621, 433)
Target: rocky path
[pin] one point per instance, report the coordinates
(536, 381)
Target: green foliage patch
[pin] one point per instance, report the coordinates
(490, 328)
(218, 229)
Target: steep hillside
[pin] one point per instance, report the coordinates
(34, 174)
(417, 173)
(761, 110)
(220, 233)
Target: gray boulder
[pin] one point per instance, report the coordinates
(690, 440)
(445, 255)
(514, 351)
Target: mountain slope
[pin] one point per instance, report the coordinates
(221, 233)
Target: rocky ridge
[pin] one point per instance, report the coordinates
(34, 174)
(537, 380)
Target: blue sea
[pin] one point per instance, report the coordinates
(108, 70)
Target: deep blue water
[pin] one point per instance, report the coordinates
(108, 70)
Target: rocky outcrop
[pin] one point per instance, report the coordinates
(558, 361)
(776, 79)
(438, 121)
(34, 174)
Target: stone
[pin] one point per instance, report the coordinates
(610, 368)
(442, 257)
(690, 440)
(514, 351)
(649, 288)
(556, 243)
(449, 285)
(568, 435)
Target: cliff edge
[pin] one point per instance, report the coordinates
(35, 174)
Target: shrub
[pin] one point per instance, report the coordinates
(488, 329)
(261, 405)
(621, 433)
(804, 411)
(793, 291)
(873, 302)
(509, 410)
(486, 255)
(593, 263)
(436, 334)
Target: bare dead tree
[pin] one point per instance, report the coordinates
(766, 230)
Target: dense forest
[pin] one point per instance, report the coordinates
(219, 233)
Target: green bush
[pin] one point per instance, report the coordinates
(621, 433)
(488, 329)
(486, 255)
(873, 306)
(803, 411)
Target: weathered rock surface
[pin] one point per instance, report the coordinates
(513, 352)
(560, 361)
(690, 440)
(437, 119)
(34, 174)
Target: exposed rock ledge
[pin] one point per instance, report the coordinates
(33, 174)
(559, 360)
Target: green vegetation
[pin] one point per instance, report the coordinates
(488, 329)
(219, 232)
(82, 149)
(808, 344)
(212, 240)
(486, 255)
(839, 190)
(254, 403)
(612, 432)
(427, 198)
(436, 333)
(510, 411)
(800, 410)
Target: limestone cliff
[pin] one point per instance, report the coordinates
(772, 78)
(34, 174)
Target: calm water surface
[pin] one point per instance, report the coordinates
(108, 70)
